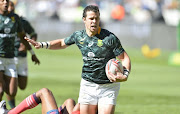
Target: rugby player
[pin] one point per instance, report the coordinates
(47, 100)
(97, 46)
(21, 54)
(10, 27)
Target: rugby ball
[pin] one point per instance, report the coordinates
(113, 65)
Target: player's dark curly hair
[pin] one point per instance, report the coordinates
(90, 8)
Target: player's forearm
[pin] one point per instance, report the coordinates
(27, 45)
(57, 44)
(126, 62)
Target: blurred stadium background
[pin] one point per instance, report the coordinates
(135, 22)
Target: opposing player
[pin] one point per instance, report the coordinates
(47, 100)
(97, 46)
(10, 27)
(21, 54)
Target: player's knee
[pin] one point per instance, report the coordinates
(70, 101)
(12, 94)
(45, 91)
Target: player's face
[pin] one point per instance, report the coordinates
(91, 22)
(4, 6)
(11, 7)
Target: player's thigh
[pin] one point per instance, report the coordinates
(47, 100)
(2, 68)
(87, 93)
(10, 85)
(88, 109)
(106, 109)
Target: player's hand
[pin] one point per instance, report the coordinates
(34, 43)
(35, 59)
(117, 77)
(22, 47)
(120, 77)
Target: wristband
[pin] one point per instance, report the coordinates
(32, 52)
(126, 72)
(45, 45)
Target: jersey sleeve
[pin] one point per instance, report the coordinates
(28, 28)
(70, 40)
(118, 49)
(115, 44)
(19, 28)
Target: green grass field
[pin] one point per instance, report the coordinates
(153, 86)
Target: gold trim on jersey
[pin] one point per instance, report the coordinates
(99, 30)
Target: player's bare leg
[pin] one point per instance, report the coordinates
(106, 109)
(69, 104)
(1, 84)
(22, 82)
(88, 109)
(11, 89)
(47, 100)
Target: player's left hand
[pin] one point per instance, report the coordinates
(117, 77)
(35, 59)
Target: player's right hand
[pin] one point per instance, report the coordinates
(35, 59)
(34, 43)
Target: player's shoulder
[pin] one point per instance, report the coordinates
(108, 35)
(12, 14)
(23, 18)
(79, 33)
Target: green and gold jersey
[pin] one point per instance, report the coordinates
(96, 52)
(28, 29)
(10, 25)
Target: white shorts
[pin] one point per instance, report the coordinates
(22, 66)
(8, 66)
(94, 94)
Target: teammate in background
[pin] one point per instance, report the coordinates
(97, 46)
(47, 100)
(21, 54)
(10, 27)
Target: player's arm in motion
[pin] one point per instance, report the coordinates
(126, 62)
(28, 46)
(54, 44)
(46, 98)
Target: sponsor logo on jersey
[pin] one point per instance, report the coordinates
(7, 30)
(6, 21)
(91, 54)
(94, 59)
(82, 41)
(90, 44)
(100, 43)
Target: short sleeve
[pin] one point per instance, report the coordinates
(70, 40)
(115, 44)
(19, 28)
(118, 49)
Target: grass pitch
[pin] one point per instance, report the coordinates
(153, 86)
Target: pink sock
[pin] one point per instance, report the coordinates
(28, 103)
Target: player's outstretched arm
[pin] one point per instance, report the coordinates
(54, 44)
